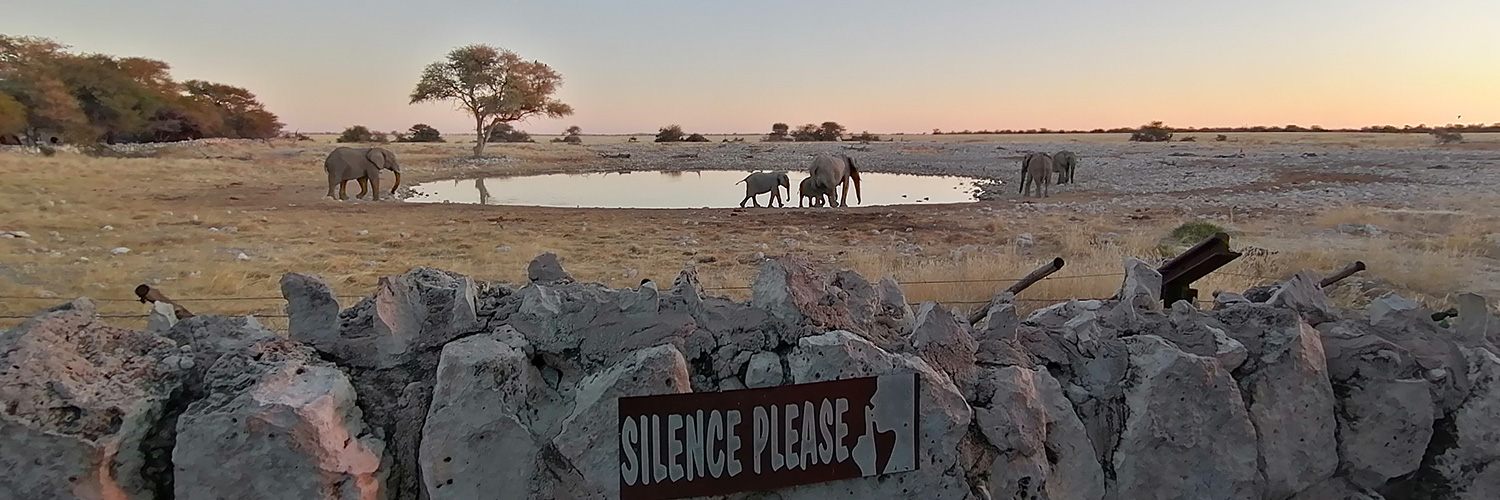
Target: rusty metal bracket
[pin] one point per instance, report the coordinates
(1348, 270)
(1036, 275)
(1178, 274)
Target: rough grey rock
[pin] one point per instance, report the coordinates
(79, 401)
(944, 423)
(420, 310)
(1197, 333)
(1471, 467)
(1187, 434)
(547, 270)
(1475, 325)
(943, 340)
(1043, 448)
(491, 413)
(1142, 286)
(312, 308)
(208, 338)
(802, 301)
(1302, 294)
(764, 370)
(1384, 428)
(161, 318)
(593, 424)
(1292, 407)
(276, 423)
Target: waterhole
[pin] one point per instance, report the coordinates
(690, 189)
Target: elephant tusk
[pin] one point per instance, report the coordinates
(397, 184)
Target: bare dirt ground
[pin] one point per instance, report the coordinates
(222, 219)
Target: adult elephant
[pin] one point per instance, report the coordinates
(1065, 162)
(1036, 169)
(831, 171)
(761, 182)
(346, 164)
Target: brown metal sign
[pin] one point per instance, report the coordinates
(716, 443)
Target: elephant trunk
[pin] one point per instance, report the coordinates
(396, 184)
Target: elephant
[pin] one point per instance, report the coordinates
(808, 191)
(1065, 162)
(829, 172)
(346, 164)
(761, 182)
(1036, 168)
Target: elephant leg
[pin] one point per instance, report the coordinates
(332, 181)
(343, 189)
(363, 188)
(375, 187)
(748, 197)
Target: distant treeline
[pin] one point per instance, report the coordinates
(97, 98)
(1473, 128)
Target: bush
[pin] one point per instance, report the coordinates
(421, 132)
(570, 139)
(357, 133)
(1188, 139)
(696, 138)
(1152, 132)
(1446, 136)
(1221, 138)
(633, 139)
(865, 137)
(380, 137)
(670, 133)
(504, 132)
(1190, 233)
(778, 133)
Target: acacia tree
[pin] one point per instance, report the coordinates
(494, 86)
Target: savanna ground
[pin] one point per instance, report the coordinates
(1437, 235)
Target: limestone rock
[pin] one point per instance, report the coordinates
(1044, 451)
(547, 270)
(1302, 294)
(592, 426)
(1188, 434)
(1384, 428)
(1142, 286)
(1469, 468)
(1337, 489)
(312, 308)
(276, 423)
(78, 404)
(420, 310)
(944, 341)
(491, 411)
(944, 423)
(1292, 407)
(802, 301)
(208, 338)
(764, 370)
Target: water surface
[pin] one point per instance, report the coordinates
(693, 189)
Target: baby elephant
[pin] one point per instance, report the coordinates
(761, 182)
(809, 189)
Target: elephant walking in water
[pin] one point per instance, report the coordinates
(346, 164)
(761, 182)
(1065, 162)
(829, 172)
(1036, 169)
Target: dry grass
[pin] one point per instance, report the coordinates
(163, 209)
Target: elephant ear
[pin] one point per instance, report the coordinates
(376, 157)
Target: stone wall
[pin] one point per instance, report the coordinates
(439, 386)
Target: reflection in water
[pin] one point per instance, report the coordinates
(649, 189)
(484, 194)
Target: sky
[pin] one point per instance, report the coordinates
(882, 66)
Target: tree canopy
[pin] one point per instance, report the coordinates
(102, 98)
(494, 86)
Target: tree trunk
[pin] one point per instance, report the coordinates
(483, 133)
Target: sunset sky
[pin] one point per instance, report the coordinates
(878, 65)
